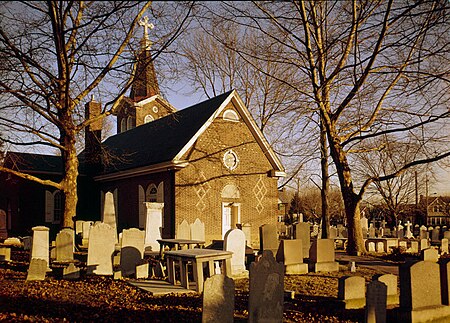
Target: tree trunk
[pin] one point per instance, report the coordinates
(69, 181)
(325, 180)
(355, 242)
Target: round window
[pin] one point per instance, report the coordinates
(230, 160)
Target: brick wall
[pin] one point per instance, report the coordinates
(199, 186)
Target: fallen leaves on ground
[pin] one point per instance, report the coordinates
(102, 299)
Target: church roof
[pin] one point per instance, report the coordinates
(161, 140)
(34, 163)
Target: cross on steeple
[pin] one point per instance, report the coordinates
(144, 23)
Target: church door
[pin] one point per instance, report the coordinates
(230, 216)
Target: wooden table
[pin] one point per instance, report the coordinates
(176, 244)
(197, 257)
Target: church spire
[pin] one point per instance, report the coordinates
(145, 84)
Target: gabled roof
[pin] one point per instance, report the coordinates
(34, 163)
(164, 141)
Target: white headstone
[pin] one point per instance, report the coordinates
(101, 247)
(41, 246)
(183, 231)
(109, 213)
(408, 233)
(235, 242)
(64, 245)
(37, 269)
(444, 246)
(131, 251)
(153, 224)
(197, 230)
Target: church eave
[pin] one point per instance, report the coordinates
(165, 166)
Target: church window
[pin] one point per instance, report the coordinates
(130, 123)
(151, 194)
(230, 191)
(54, 206)
(230, 160)
(230, 115)
(123, 125)
(148, 118)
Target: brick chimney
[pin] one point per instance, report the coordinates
(93, 137)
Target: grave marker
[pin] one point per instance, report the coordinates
(40, 247)
(183, 230)
(302, 232)
(218, 299)
(352, 291)
(197, 230)
(131, 251)
(322, 255)
(376, 302)
(266, 290)
(234, 241)
(37, 269)
(290, 254)
(102, 242)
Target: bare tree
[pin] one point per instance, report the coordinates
(373, 68)
(54, 57)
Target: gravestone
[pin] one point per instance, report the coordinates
(3, 226)
(266, 290)
(153, 225)
(424, 244)
(247, 229)
(322, 256)
(435, 235)
(86, 231)
(64, 245)
(268, 238)
(40, 247)
(414, 246)
(430, 254)
(371, 231)
(333, 232)
(400, 232)
(27, 242)
(403, 244)
(71, 272)
(391, 282)
(218, 299)
(340, 228)
(109, 213)
(408, 233)
(302, 232)
(376, 302)
(101, 247)
(37, 269)
(420, 293)
(371, 246)
(197, 230)
(447, 234)
(183, 230)
(444, 246)
(352, 291)
(5, 254)
(290, 254)
(380, 247)
(131, 251)
(79, 227)
(416, 231)
(142, 270)
(234, 241)
(444, 266)
(12, 242)
(364, 226)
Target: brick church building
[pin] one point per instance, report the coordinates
(208, 161)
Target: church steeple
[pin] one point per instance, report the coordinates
(145, 83)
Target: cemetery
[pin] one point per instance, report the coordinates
(96, 273)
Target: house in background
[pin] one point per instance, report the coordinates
(436, 209)
(209, 161)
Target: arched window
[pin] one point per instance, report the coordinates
(148, 118)
(123, 125)
(54, 206)
(230, 115)
(151, 194)
(230, 191)
(130, 123)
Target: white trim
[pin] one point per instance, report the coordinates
(156, 97)
(230, 205)
(143, 170)
(248, 119)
